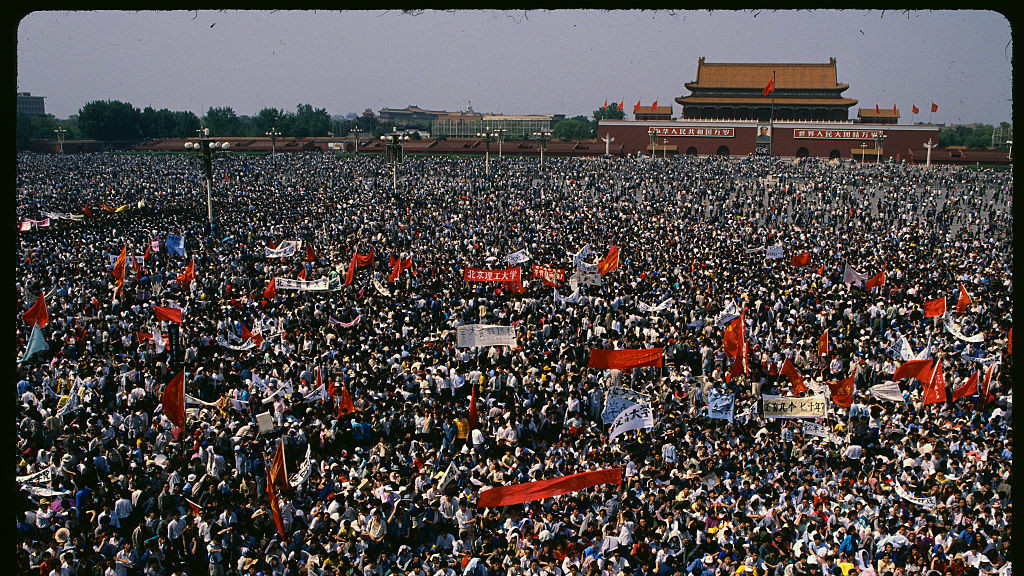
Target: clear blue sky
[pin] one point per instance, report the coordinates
(512, 62)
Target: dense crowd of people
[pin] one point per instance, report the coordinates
(109, 486)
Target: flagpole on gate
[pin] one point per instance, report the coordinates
(771, 119)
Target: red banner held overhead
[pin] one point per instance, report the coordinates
(530, 491)
(485, 275)
(550, 276)
(624, 359)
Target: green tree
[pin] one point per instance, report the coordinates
(576, 128)
(612, 112)
(311, 121)
(109, 120)
(222, 122)
(266, 119)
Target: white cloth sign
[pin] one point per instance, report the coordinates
(247, 345)
(265, 421)
(955, 331)
(43, 476)
(284, 250)
(773, 252)
(632, 418)
(928, 502)
(659, 308)
(786, 407)
(851, 276)
(304, 469)
(983, 361)
(573, 299)
(905, 351)
(721, 406)
(189, 399)
(617, 399)
(730, 313)
(380, 288)
(887, 390)
(518, 257)
(320, 284)
(319, 394)
(577, 258)
(815, 429)
(754, 250)
(480, 335)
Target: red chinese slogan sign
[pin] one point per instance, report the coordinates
(551, 276)
(840, 134)
(484, 275)
(696, 131)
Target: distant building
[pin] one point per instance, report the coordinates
(469, 124)
(652, 113)
(31, 105)
(409, 117)
(732, 91)
(880, 116)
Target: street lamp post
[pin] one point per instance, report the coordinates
(879, 142)
(607, 143)
(273, 133)
(928, 158)
(206, 147)
(653, 133)
(543, 136)
(1009, 154)
(501, 138)
(488, 137)
(863, 151)
(60, 137)
(664, 148)
(394, 145)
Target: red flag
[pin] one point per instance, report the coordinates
(87, 211)
(278, 471)
(247, 335)
(894, 110)
(302, 273)
(173, 400)
(986, 387)
(620, 106)
(635, 106)
(605, 107)
(365, 260)
(472, 409)
(914, 109)
(609, 262)
(624, 359)
(345, 405)
(735, 334)
(820, 270)
(789, 371)
(935, 307)
(877, 111)
(913, 369)
(118, 270)
(310, 254)
(739, 365)
(270, 292)
(653, 106)
(963, 301)
(935, 388)
(196, 508)
(351, 272)
(769, 88)
(876, 280)
(968, 388)
(841, 392)
(145, 255)
(37, 314)
(935, 107)
(823, 344)
(530, 491)
(800, 259)
(169, 314)
(186, 277)
(1009, 342)
(275, 508)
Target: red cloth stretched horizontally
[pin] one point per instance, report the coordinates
(530, 491)
(623, 359)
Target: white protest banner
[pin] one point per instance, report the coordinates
(573, 299)
(577, 258)
(983, 361)
(617, 399)
(904, 350)
(260, 384)
(632, 418)
(588, 279)
(926, 352)
(348, 324)
(928, 502)
(320, 284)
(754, 250)
(730, 313)
(482, 335)
(319, 394)
(447, 476)
(284, 250)
(189, 399)
(815, 429)
(380, 288)
(41, 477)
(45, 492)
(304, 469)
(517, 257)
(773, 252)
(851, 276)
(955, 331)
(659, 308)
(247, 345)
(265, 421)
(721, 406)
(887, 390)
(786, 407)
(135, 261)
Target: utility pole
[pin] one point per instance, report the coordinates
(929, 146)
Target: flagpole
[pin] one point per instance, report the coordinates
(771, 119)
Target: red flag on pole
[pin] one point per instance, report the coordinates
(169, 314)
(275, 508)
(270, 292)
(186, 277)
(310, 254)
(365, 260)
(302, 273)
(823, 344)
(841, 392)
(739, 365)
(894, 110)
(609, 262)
(935, 107)
(118, 271)
(935, 307)
(654, 106)
(625, 359)
(37, 314)
(800, 260)
(915, 109)
(620, 106)
(636, 106)
(935, 388)
(278, 470)
(605, 107)
(913, 369)
(472, 409)
(963, 301)
(877, 111)
(351, 272)
(986, 386)
(345, 404)
(530, 491)
(789, 371)
(968, 388)
(173, 400)
(769, 88)
(735, 334)
(876, 280)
